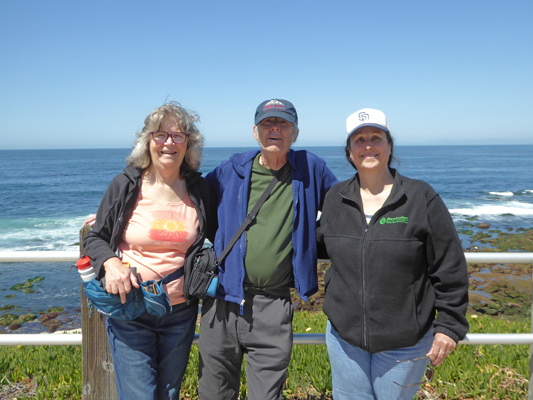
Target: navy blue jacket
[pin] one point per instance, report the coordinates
(311, 179)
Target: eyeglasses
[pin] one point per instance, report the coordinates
(271, 122)
(162, 137)
(428, 375)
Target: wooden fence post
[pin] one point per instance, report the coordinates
(98, 371)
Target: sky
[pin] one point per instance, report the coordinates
(85, 74)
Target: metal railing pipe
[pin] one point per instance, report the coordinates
(40, 339)
(497, 258)
(298, 339)
(72, 256)
(43, 256)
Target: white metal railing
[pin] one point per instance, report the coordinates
(299, 338)
(42, 256)
(67, 256)
(55, 339)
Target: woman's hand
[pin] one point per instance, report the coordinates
(442, 346)
(91, 219)
(118, 278)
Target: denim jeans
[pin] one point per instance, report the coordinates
(150, 353)
(358, 374)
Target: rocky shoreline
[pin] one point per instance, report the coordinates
(50, 321)
(498, 290)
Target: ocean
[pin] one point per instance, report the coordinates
(45, 195)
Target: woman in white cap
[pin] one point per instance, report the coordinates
(397, 288)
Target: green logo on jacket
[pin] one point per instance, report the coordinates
(396, 220)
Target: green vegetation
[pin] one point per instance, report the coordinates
(48, 372)
(27, 286)
(470, 372)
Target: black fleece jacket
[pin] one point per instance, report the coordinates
(103, 240)
(391, 279)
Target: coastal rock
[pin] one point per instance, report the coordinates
(43, 318)
(52, 324)
(483, 225)
(14, 326)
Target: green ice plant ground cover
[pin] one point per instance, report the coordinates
(470, 372)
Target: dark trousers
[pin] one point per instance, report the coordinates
(263, 333)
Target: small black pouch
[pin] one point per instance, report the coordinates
(204, 279)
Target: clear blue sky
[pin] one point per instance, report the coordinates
(85, 74)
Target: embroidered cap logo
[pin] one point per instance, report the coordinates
(363, 116)
(274, 105)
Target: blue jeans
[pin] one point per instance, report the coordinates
(360, 375)
(150, 353)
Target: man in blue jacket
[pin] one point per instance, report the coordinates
(252, 312)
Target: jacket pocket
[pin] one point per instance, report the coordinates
(393, 321)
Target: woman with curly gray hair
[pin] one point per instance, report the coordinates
(153, 219)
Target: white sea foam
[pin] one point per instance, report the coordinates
(502, 193)
(512, 207)
(41, 235)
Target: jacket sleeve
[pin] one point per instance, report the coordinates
(320, 245)
(448, 272)
(97, 243)
(214, 191)
(328, 180)
(210, 201)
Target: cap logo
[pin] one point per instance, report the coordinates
(274, 105)
(363, 116)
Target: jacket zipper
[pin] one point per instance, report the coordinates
(365, 332)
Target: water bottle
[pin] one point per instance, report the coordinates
(85, 269)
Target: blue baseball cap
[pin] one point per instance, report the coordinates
(276, 108)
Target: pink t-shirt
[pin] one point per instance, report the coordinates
(156, 239)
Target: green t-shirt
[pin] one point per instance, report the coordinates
(268, 260)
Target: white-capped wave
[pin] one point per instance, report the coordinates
(41, 235)
(502, 193)
(512, 207)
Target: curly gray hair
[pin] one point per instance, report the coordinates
(140, 154)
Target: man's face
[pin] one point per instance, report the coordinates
(275, 135)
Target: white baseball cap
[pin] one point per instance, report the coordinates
(366, 117)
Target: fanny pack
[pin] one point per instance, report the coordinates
(149, 297)
(204, 279)
(109, 304)
(156, 299)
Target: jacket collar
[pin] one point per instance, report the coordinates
(240, 160)
(134, 173)
(351, 190)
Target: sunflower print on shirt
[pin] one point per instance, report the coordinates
(167, 226)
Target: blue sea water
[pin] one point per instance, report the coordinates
(45, 195)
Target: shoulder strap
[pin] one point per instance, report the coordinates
(248, 220)
(173, 276)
